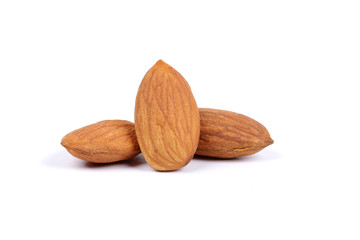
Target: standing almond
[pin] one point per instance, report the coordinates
(167, 119)
(225, 134)
(103, 142)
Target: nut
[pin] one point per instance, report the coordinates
(167, 119)
(225, 134)
(103, 142)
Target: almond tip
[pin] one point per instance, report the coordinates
(269, 142)
(160, 61)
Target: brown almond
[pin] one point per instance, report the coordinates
(225, 134)
(167, 119)
(103, 142)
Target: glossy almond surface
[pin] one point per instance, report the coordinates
(167, 119)
(103, 142)
(225, 134)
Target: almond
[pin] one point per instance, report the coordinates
(225, 134)
(103, 142)
(167, 119)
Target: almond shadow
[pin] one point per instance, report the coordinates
(63, 159)
(136, 161)
(259, 156)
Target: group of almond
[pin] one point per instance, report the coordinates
(169, 128)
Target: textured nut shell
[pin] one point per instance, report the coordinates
(103, 142)
(167, 119)
(225, 134)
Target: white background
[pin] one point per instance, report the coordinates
(292, 65)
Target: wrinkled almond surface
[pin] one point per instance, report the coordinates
(167, 120)
(225, 134)
(103, 142)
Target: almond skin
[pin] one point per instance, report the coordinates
(225, 134)
(167, 119)
(103, 142)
